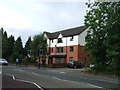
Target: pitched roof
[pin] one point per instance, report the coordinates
(66, 33)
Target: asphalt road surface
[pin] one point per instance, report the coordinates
(61, 78)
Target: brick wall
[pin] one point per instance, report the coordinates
(78, 54)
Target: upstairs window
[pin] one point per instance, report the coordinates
(60, 49)
(71, 38)
(71, 49)
(60, 40)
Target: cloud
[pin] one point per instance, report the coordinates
(10, 17)
(29, 17)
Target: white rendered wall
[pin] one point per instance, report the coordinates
(77, 40)
(82, 37)
(66, 41)
(74, 42)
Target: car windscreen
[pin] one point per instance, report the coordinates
(2, 60)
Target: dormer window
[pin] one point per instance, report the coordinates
(71, 38)
(60, 40)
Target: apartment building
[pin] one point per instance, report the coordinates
(66, 45)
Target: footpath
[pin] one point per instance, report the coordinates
(10, 83)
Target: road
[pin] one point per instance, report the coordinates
(60, 78)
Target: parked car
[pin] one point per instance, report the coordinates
(3, 61)
(75, 64)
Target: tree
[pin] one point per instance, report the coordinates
(103, 36)
(11, 41)
(17, 49)
(113, 45)
(28, 44)
(7, 44)
(39, 42)
(1, 32)
(4, 44)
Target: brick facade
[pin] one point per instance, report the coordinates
(78, 54)
(67, 45)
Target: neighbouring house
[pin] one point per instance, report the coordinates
(67, 45)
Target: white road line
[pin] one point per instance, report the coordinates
(94, 85)
(56, 78)
(38, 86)
(78, 82)
(64, 80)
(21, 70)
(0, 72)
(25, 81)
(34, 73)
(62, 72)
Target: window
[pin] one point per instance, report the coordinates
(71, 48)
(71, 59)
(71, 38)
(58, 60)
(59, 40)
(60, 49)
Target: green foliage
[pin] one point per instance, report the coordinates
(4, 44)
(12, 49)
(11, 41)
(17, 49)
(28, 44)
(0, 43)
(39, 42)
(7, 45)
(104, 35)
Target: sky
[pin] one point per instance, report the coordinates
(30, 17)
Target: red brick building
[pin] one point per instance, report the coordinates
(67, 45)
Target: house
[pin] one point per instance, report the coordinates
(66, 45)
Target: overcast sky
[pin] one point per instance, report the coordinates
(30, 17)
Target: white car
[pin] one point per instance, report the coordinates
(3, 61)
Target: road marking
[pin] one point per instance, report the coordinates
(78, 82)
(25, 81)
(21, 70)
(94, 85)
(65, 80)
(38, 86)
(34, 73)
(56, 78)
(62, 72)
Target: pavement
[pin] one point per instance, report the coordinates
(9, 83)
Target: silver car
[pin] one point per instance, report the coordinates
(3, 61)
